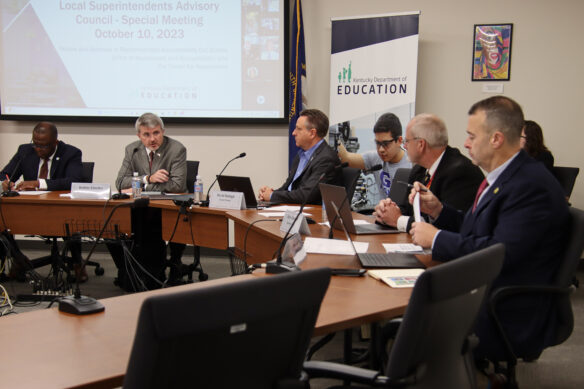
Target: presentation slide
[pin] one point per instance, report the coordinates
(179, 59)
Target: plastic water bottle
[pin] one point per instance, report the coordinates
(136, 186)
(324, 215)
(198, 190)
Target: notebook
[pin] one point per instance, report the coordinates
(380, 260)
(333, 194)
(242, 184)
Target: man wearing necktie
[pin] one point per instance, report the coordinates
(161, 162)
(521, 205)
(44, 164)
(451, 176)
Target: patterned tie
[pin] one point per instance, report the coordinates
(426, 178)
(150, 161)
(482, 188)
(43, 174)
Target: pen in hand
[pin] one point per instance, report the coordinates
(411, 186)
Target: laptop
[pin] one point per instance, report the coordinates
(381, 260)
(242, 184)
(333, 194)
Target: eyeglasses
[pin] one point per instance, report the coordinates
(384, 143)
(523, 136)
(409, 140)
(42, 147)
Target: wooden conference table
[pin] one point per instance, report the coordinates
(47, 348)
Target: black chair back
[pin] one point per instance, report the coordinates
(87, 171)
(192, 171)
(399, 192)
(566, 176)
(350, 175)
(247, 334)
(432, 347)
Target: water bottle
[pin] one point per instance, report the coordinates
(136, 186)
(324, 215)
(198, 190)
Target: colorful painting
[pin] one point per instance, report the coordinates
(492, 52)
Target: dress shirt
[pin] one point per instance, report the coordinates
(43, 182)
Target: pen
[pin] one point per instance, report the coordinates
(8, 178)
(411, 186)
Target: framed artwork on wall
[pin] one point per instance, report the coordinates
(492, 52)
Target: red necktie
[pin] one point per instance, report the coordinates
(44, 169)
(482, 188)
(151, 158)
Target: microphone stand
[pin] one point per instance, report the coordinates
(205, 203)
(84, 305)
(373, 168)
(120, 195)
(278, 266)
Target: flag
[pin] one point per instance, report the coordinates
(297, 71)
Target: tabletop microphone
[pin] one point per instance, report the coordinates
(120, 195)
(278, 266)
(205, 203)
(10, 192)
(364, 171)
(84, 305)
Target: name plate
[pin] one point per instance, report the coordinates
(227, 200)
(89, 190)
(300, 226)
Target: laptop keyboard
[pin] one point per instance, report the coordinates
(374, 259)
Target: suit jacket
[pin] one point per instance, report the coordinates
(171, 156)
(455, 181)
(526, 210)
(323, 160)
(65, 168)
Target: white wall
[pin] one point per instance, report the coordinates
(546, 79)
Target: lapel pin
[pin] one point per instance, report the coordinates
(496, 190)
(57, 158)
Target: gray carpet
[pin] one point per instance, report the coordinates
(558, 367)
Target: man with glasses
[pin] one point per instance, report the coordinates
(315, 158)
(390, 155)
(451, 176)
(44, 164)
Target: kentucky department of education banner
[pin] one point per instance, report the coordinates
(373, 65)
(373, 71)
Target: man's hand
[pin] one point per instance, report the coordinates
(429, 204)
(265, 193)
(423, 234)
(28, 185)
(160, 176)
(387, 212)
(7, 185)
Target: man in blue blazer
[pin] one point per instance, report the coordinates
(60, 162)
(519, 204)
(315, 158)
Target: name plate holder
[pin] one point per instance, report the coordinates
(227, 200)
(294, 250)
(90, 190)
(301, 226)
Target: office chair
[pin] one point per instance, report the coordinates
(350, 175)
(72, 241)
(560, 289)
(433, 346)
(247, 334)
(566, 176)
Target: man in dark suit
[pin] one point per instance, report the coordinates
(44, 164)
(519, 204)
(315, 158)
(451, 176)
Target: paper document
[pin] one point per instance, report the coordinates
(333, 246)
(397, 278)
(402, 248)
(277, 214)
(33, 192)
(417, 216)
(285, 208)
